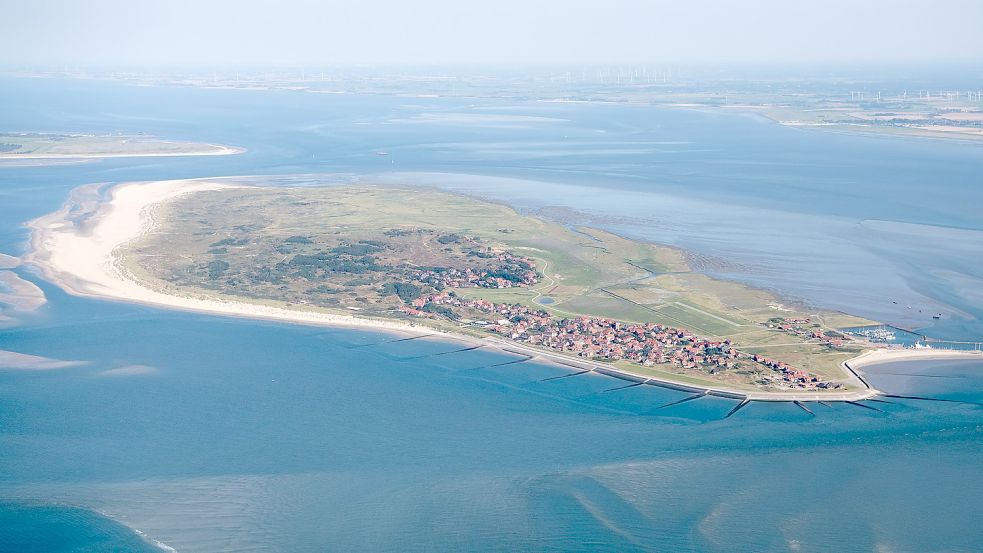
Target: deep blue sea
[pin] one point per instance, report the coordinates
(234, 435)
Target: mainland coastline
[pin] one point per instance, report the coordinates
(82, 257)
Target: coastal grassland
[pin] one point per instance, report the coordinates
(38, 145)
(362, 248)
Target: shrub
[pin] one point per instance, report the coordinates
(440, 310)
(217, 268)
(299, 240)
(405, 290)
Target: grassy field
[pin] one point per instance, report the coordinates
(583, 271)
(56, 145)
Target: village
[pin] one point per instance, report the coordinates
(648, 344)
(805, 328)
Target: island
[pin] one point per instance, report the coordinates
(47, 148)
(411, 259)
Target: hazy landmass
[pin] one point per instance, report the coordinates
(922, 103)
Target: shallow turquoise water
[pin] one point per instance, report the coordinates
(240, 435)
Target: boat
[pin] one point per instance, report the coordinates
(876, 335)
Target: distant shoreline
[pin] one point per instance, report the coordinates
(219, 151)
(82, 258)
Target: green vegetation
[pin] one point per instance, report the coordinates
(298, 240)
(217, 268)
(406, 291)
(440, 310)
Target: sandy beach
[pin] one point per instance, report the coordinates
(880, 356)
(81, 256)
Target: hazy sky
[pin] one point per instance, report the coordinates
(326, 32)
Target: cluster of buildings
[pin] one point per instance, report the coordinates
(791, 377)
(512, 271)
(804, 328)
(647, 344)
(592, 337)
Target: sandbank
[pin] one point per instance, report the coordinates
(22, 295)
(23, 361)
(8, 261)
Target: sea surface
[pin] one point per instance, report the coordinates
(199, 433)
